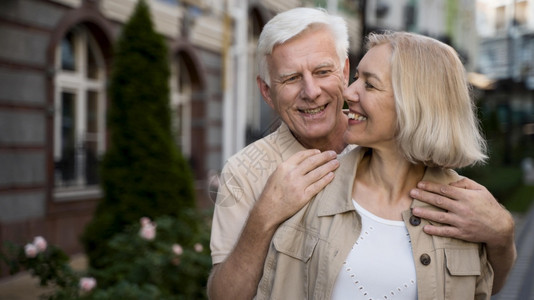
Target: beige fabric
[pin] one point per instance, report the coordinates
(308, 250)
(242, 180)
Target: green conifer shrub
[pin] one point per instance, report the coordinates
(143, 174)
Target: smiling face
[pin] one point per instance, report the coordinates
(306, 90)
(372, 115)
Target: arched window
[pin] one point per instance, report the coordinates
(181, 94)
(79, 119)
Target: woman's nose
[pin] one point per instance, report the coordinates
(350, 93)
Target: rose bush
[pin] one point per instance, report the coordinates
(170, 262)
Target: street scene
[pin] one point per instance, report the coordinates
(137, 136)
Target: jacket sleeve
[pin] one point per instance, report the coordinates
(485, 280)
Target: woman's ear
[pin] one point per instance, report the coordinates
(346, 72)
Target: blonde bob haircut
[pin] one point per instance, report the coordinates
(436, 121)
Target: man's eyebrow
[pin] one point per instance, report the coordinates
(325, 64)
(319, 66)
(286, 75)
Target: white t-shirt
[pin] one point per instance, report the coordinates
(380, 265)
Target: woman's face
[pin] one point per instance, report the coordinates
(372, 115)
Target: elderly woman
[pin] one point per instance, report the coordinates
(411, 114)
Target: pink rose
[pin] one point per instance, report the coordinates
(40, 243)
(31, 250)
(87, 284)
(148, 231)
(198, 247)
(145, 221)
(177, 249)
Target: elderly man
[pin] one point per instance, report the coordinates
(303, 71)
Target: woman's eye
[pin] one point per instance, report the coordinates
(369, 86)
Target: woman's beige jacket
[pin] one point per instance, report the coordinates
(308, 250)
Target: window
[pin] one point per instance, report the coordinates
(181, 94)
(500, 18)
(79, 120)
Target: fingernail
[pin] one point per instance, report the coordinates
(332, 153)
(421, 185)
(414, 192)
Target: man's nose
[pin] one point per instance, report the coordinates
(310, 88)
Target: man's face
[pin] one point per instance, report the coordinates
(307, 83)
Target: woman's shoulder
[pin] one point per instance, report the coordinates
(441, 175)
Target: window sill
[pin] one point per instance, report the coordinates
(77, 194)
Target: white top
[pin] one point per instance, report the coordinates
(380, 264)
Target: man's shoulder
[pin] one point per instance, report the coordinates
(257, 160)
(277, 146)
(261, 147)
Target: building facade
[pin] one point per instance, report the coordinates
(55, 63)
(506, 58)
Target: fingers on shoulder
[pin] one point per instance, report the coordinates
(319, 184)
(467, 183)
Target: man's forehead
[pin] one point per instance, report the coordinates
(295, 66)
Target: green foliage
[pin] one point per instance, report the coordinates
(174, 265)
(502, 174)
(50, 266)
(151, 266)
(143, 172)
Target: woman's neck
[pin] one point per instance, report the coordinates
(383, 182)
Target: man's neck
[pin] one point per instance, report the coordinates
(334, 141)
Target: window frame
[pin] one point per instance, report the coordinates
(80, 85)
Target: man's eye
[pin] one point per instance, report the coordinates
(291, 79)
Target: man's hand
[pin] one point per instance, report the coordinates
(471, 214)
(291, 186)
(295, 182)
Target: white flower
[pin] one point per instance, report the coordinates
(30, 250)
(40, 243)
(177, 249)
(87, 284)
(198, 247)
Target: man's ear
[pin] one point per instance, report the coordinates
(265, 91)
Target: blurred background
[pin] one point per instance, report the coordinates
(55, 64)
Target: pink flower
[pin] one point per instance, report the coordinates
(148, 231)
(87, 283)
(31, 250)
(145, 221)
(40, 243)
(177, 249)
(198, 247)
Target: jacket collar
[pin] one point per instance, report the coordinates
(287, 143)
(336, 197)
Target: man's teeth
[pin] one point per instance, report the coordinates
(356, 117)
(315, 110)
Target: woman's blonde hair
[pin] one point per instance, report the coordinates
(436, 120)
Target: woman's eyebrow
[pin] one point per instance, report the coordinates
(367, 74)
